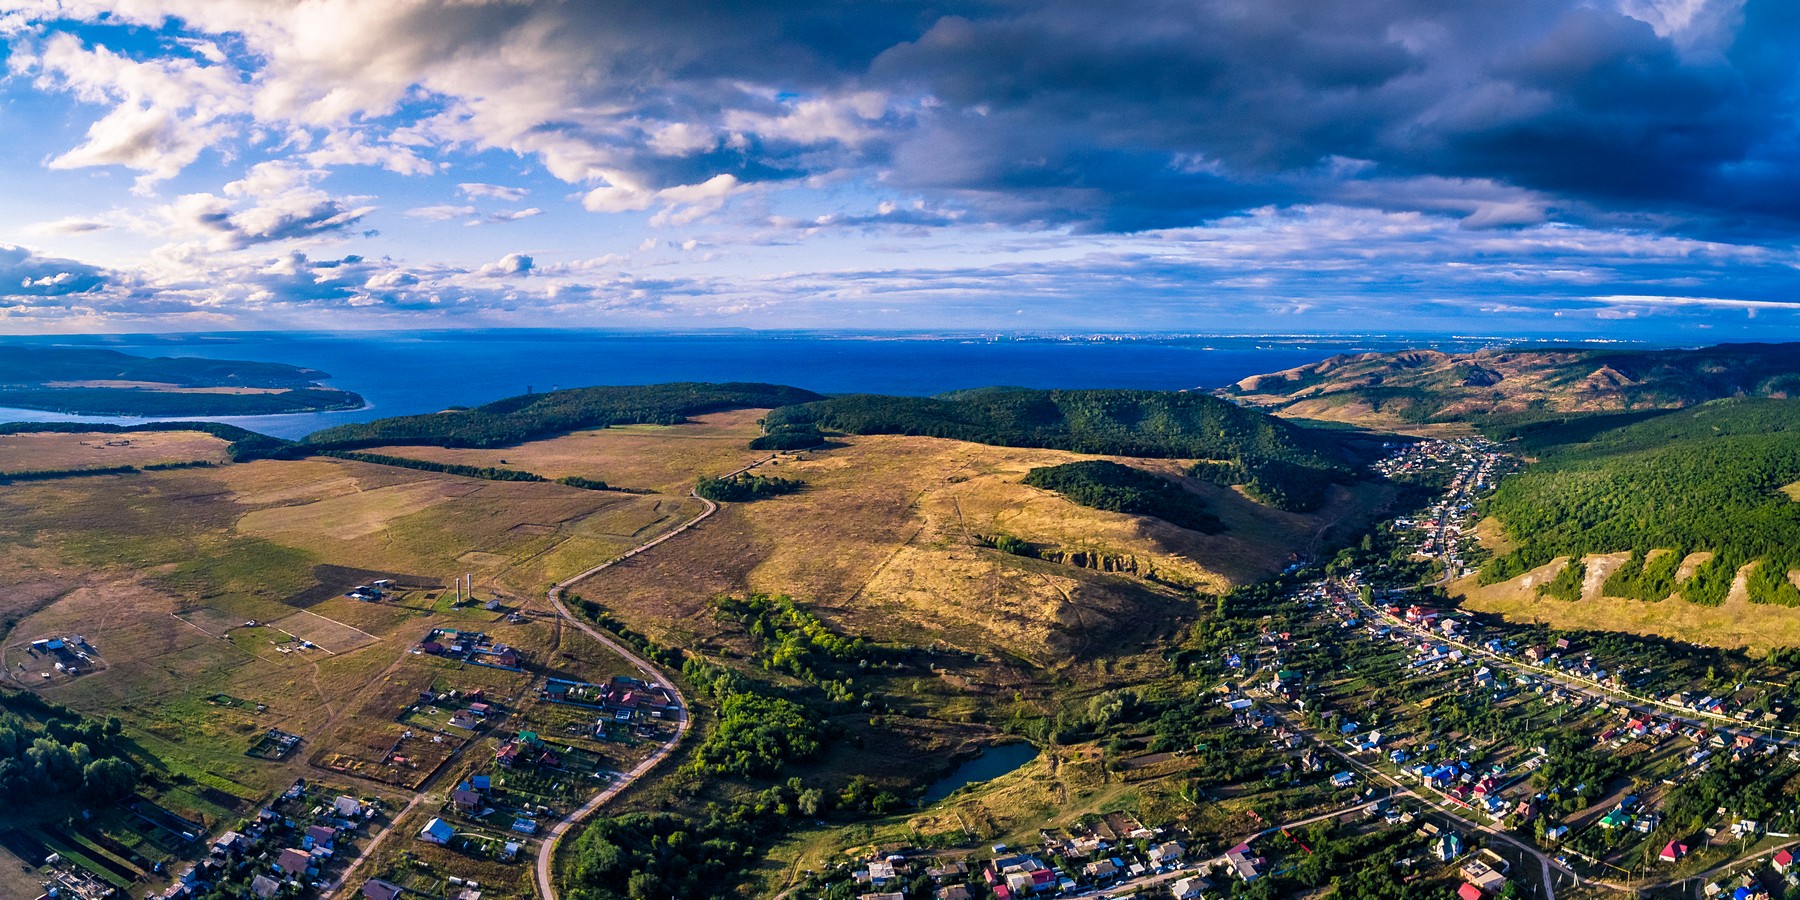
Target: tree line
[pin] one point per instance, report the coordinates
(532, 416)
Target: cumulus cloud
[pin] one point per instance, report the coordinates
(440, 213)
(1113, 117)
(512, 265)
(70, 225)
(274, 201)
(1282, 152)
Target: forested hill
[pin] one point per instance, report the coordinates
(22, 367)
(530, 416)
(109, 383)
(1278, 462)
(1426, 386)
(1706, 479)
(1168, 424)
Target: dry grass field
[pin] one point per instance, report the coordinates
(93, 450)
(663, 458)
(881, 542)
(162, 571)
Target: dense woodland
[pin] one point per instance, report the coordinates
(1707, 479)
(531, 416)
(1101, 484)
(1115, 422)
(50, 752)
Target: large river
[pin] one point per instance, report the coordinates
(413, 372)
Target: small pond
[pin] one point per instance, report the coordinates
(991, 764)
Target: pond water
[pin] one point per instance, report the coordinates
(991, 764)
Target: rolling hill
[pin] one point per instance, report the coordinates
(1709, 480)
(1415, 387)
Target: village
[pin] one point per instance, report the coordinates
(1501, 759)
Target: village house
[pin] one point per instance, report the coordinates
(1166, 854)
(1190, 888)
(376, 889)
(437, 831)
(293, 862)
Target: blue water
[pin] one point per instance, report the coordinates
(991, 764)
(415, 372)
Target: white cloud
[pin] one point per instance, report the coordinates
(474, 190)
(165, 111)
(512, 265)
(440, 213)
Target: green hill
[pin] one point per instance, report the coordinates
(1708, 478)
(36, 366)
(1277, 461)
(530, 416)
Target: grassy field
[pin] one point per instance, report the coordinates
(663, 458)
(26, 452)
(882, 541)
(163, 571)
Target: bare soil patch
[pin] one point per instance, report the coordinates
(330, 634)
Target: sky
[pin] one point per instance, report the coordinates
(1599, 168)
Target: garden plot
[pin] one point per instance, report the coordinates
(330, 634)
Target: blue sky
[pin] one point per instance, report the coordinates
(1618, 168)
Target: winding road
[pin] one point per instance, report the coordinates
(546, 882)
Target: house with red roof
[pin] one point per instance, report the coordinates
(1783, 861)
(1675, 850)
(1468, 892)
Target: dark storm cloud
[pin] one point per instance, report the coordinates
(27, 278)
(1137, 116)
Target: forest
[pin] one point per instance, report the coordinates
(48, 752)
(1706, 479)
(1101, 484)
(33, 366)
(1163, 424)
(531, 416)
(132, 402)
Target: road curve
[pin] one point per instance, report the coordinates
(546, 884)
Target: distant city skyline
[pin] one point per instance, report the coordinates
(1622, 169)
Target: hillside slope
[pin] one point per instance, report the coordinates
(1428, 386)
(1705, 480)
(1276, 461)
